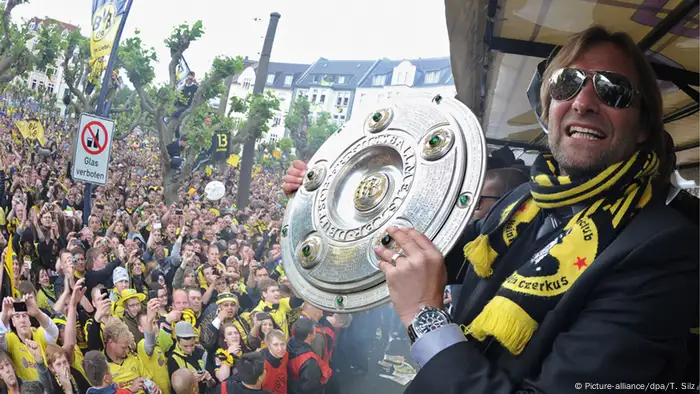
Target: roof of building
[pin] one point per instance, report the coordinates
(328, 73)
(423, 67)
(61, 25)
(282, 71)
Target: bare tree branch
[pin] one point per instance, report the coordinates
(69, 76)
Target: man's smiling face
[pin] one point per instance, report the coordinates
(572, 123)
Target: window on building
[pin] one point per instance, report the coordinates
(317, 78)
(32, 25)
(339, 101)
(270, 78)
(288, 80)
(50, 88)
(50, 71)
(323, 99)
(313, 98)
(378, 80)
(402, 78)
(246, 83)
(345, 100)
(33, 84)
(362, 97)
(335, 116)
(432, 77)
(341, 79)
(342, 117)
(277, 121)
(42, 84)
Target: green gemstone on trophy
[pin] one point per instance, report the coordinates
(377, 116)
(434, 141)
(339, 300)
(463, 199)
(386, 239)
(310, 174)
(306, 250)
(284, 231)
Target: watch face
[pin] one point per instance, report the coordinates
(429, 321)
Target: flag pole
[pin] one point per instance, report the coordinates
(102, 109)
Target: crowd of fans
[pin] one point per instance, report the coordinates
(144, 295)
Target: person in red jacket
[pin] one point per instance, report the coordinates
(307, 372)
(276, 360)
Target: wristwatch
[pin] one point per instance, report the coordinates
(426, 320)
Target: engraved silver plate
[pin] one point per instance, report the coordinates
(417, 163)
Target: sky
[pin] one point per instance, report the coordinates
(307, 30)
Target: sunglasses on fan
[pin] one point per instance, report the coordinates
(613, 89)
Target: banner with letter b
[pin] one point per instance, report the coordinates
(106, 15)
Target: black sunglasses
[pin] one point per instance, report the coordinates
(613, 89)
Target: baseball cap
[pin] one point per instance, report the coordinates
(184, 329)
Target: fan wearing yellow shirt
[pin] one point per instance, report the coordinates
(23, 360)
(277, 307)
(124, 365)
(149, 352)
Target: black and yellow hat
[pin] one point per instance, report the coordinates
(226, 297)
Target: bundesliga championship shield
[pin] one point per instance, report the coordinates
(417, 163)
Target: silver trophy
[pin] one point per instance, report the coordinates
(417, 163)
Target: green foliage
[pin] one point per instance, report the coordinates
(137, 60)
(319, 130)
(183, 35)
(199, 132)
(285, 145)
(48, 46)
(259, 109)
(299, 110)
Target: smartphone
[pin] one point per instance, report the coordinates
(178, 211)
(28, 260)
(20, 306)
(105, 292)
(152, 294)
(156, 226)
(69, 214)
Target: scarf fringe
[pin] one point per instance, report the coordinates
(507, 322)
(481, 255)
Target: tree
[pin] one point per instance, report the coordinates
(320, 129)
(159, 101)
(297, 121)
(286, 144)
(15, 58)
(79, 73)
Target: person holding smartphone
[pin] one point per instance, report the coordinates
(18, 313)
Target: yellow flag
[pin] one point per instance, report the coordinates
(106, 16)
(31, 129)
(233, 160)
(9, 270)
(277, 153)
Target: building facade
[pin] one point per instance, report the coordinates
(343, 88)
(330, 86)
(391, 79)
(280, 81)
(49, 79)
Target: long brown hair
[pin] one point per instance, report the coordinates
(651, 108)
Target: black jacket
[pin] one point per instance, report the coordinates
(174, 149)
(310, 375)
(625, 320)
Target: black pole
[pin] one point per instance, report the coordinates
(244, 179)
(102, 109)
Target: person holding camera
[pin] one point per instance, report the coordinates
(22, 334)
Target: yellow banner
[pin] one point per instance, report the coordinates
(31, 130)
(105, 22)
(277, 153)
(233, 160)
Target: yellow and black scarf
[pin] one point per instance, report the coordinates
(610, 200)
